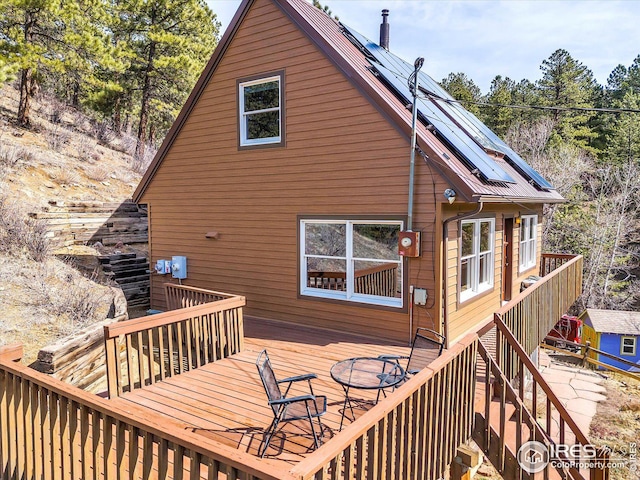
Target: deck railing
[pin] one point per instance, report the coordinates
(534, 312)
(50, 430)
(413, 433)
(539, 414)
(182, 296)
(552, 261)
(146, 350)
(379, 280)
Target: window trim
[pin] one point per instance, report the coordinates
(526, 222)
(396, 304)
(243, 142)
(634, 346)
(477, 288)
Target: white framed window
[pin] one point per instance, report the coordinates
(528, 238)
(628, 346)
(260, 104)
(353, 260)
(476, 257)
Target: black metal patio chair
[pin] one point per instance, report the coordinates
(287, 409)
(427, 346)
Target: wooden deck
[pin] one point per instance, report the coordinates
(225, 400)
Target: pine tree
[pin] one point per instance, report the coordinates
(463, 89)
(568, 83)
(29, 38)
(7, 71)
(499, 119)
(50, 42)
(170, 41)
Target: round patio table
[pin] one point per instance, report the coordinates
(365, 373)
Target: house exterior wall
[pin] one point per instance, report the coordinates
(611, 343)
(341, 158)
(463, 316)
(590, 335)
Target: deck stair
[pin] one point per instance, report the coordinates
(507, 415)
(131, 273)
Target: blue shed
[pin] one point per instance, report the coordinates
(616, 332)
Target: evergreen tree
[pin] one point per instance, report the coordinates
(616, 84)
(51, 42)
(29, 37)
(170, 42)
(7, 71)
(463, 89)
(324, 8)
(499, 119)
(568, 83)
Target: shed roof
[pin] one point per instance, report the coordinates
(352, 55)
(614, 321)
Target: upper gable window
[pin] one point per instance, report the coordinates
(260, 103)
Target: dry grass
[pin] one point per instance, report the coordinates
(43, 298)
(617, 423)
(62, 140)
(98, 173)
(21, 235)
(44, 301)
(65, 176)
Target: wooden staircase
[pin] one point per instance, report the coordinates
(507, 417)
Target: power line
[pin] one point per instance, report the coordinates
(534, 107)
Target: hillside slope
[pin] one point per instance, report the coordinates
(47, 293)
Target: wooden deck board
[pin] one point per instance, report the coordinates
(225, 400)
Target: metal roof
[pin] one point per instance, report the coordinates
(499, 180)
(337, 41)
(614, 321)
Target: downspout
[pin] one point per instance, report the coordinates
(443, 253)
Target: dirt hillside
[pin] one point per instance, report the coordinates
(47, 293)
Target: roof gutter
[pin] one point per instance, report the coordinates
(443, 251)
(503, 199)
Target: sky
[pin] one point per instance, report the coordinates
(487, 38)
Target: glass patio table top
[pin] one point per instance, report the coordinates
(367, 373)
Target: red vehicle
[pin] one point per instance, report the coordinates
(568, 329)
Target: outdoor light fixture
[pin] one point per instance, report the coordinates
(450, 195)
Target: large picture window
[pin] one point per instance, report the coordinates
(354, 260)
(260, 103)
(528, 236)
(476, 257)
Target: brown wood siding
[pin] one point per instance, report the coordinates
(468, 315)
(342, 157)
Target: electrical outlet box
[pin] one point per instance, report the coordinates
(179, 267)
(420, 296)
(163, 267)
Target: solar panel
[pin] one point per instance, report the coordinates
(460, 126)
(472, 155)
(511, 156)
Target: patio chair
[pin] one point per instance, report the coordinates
(427, 346)
(287, 409)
